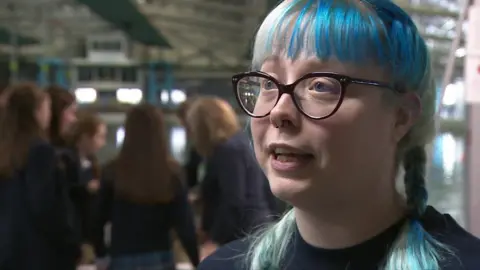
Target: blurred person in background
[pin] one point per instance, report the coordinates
(64, 109)
(4, 96)
(143, 196)
(4, 93)
(63, 115)
(193, 159)
(193, 167)
(233, 189)
(34, 230)
(88, 136)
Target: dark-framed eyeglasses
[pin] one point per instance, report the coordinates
(317, 95)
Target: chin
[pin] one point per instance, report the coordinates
(289, 190)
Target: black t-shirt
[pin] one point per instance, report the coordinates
(369, 255)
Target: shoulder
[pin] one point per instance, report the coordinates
(65, 154)
(236, 147)
(464, 246)
(175, 168)
(230, 256)
(236, 142)
(108, 170)
(67, 158)
(41, 149)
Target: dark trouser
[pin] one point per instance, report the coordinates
(161, 260)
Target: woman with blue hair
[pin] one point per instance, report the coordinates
(342, 102)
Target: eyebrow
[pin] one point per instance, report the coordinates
(314, 65)
(271, 58)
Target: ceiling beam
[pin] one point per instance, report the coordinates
(182, 16)
(214, 7)
(232, 37)
(205, 73)
(199, 40)
(216, 51)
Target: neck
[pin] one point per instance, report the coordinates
(345, 227)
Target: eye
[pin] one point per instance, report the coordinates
(324, 85)
(267, 84)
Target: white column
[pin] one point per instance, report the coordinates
(472, 83)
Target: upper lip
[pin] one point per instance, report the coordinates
(291, 149)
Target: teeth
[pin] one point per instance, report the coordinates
(280, 151)
(283, 158)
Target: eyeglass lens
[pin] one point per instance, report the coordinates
(316, 96)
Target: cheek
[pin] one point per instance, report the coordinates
(102, 141)
(259, 129)
(69, 118)
(357, 137)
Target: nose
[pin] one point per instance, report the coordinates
(285, 113)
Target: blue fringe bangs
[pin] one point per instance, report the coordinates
(357, 32)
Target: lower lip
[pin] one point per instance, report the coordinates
(291, 165)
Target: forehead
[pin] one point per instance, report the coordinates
(283, 66)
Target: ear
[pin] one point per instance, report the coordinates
(408, 111)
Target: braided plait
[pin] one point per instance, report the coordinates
(414, 162)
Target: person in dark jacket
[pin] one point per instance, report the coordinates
(143, 196)
(193, 159)
(234, 187)
(35, 233)
(87, 137)
(63, 116)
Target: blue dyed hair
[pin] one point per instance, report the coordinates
(385, 36)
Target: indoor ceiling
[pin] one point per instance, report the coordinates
(213, 34)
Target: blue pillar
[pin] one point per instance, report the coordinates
(42, 77)
(169, 80)
(60, 76)
(154, 87)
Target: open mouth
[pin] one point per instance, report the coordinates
(291, 157)
(285, 155)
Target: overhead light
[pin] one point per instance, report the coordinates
(129, 95)
(120, 136)
(178, 142)
(164, 96)
(178, 96)
(85, 95)
(460, 52)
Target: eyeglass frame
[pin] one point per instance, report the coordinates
(344, 81)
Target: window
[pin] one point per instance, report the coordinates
(96, 45)
(113, 46)
(84, 74)
(129, 74)
(106, 73)
(107, 46)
